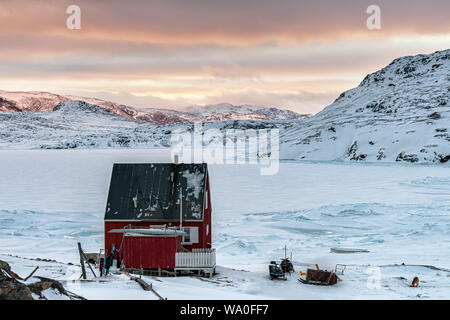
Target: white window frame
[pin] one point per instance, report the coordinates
(193, 235)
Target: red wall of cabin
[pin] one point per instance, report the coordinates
(150, 252)
(116, 238)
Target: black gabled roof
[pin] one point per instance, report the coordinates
(152, 191)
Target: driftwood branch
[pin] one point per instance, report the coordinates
(13, 289)
(145, 285)
(35, 269)
(46, 283)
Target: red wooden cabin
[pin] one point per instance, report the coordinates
(158, 196)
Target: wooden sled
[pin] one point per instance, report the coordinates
(320, 278)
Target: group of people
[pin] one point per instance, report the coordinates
(106, 262)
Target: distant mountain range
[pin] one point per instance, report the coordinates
(400, 113)
(14, 101)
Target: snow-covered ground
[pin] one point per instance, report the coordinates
(51, 199)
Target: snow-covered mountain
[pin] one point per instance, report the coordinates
(16, 101)
(399, 113)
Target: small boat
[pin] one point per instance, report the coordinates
(320, 278)
(347, 250)
(276, 272)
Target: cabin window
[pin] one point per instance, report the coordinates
(191, 235)
(207, 229)
(187, 235)
(206, 199)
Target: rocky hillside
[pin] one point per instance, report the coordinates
(399, 113)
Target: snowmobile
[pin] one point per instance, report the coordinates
(276, 272)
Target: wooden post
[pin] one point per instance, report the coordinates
(83, 269)
(87, 261)
(285, 248)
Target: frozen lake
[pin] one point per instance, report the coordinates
(49, 200)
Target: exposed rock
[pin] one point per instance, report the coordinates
(352, 153)
(434, 115)
(407, 157)
(10, 287)
(381, 154)
(14, 290)
(444, 159)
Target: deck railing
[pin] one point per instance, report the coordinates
(198, 258)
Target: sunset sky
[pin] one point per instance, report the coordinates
(298, 54)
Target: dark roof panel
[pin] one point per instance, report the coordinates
(152, 191)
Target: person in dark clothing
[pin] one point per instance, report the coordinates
(102, 263)
(106, 266)
(109, 261)
(119, 258)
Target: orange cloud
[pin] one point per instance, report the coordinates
(231, 22)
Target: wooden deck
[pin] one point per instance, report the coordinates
(197, 260)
